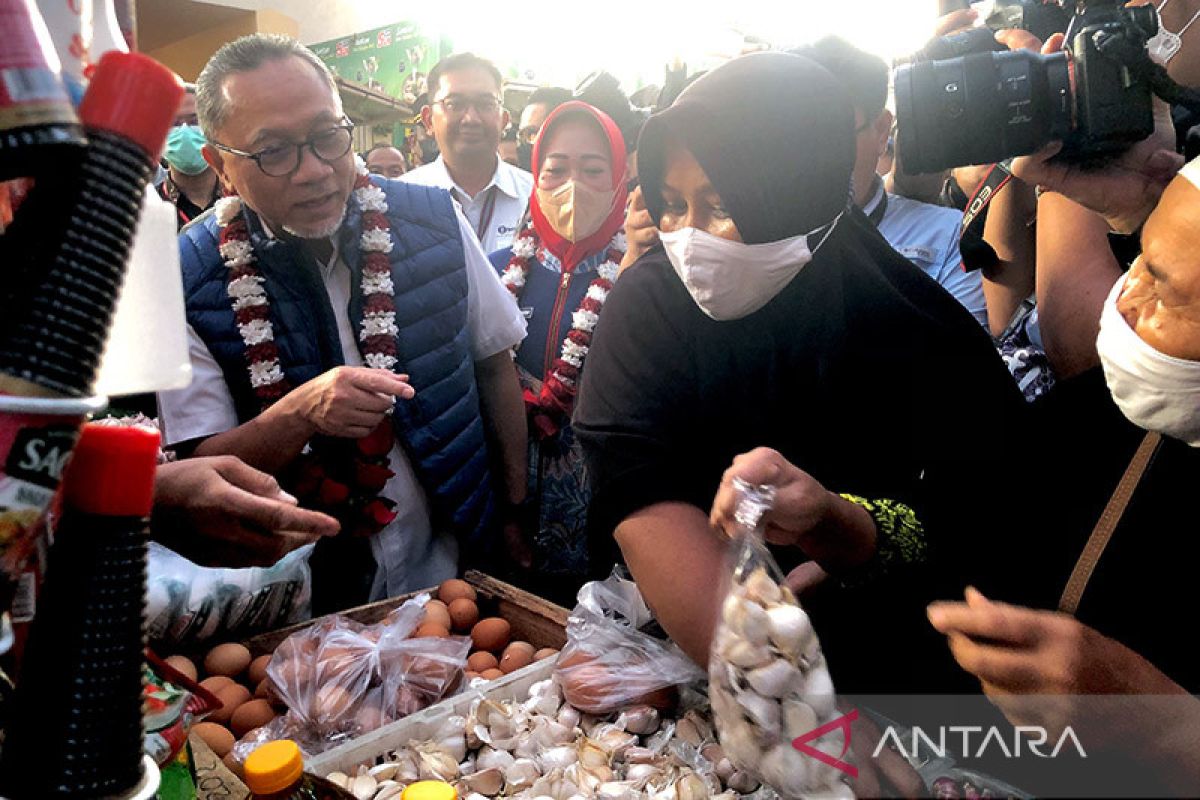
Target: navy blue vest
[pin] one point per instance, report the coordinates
(440, 429)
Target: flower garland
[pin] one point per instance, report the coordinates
(337, 476)
(551, 408)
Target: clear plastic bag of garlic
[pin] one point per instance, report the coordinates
(768, 680)
(542, 748)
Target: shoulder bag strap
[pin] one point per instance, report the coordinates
(1107, 523)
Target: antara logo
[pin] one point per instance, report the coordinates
(992, 741)
(842, 722)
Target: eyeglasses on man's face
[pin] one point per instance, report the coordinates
(282, 160)
(485, 105)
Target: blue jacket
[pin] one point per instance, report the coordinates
(440, 429)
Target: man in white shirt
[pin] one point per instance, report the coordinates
(466, 115)
(277, 136)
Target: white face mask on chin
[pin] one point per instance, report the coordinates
(1154, 391)
(730, 280)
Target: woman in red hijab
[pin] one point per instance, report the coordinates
(561, 268)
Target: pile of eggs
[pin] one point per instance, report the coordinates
(493, 653)
(248, 700)
(240, 683)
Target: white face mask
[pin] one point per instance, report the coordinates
(1155, 391)
(730, 280)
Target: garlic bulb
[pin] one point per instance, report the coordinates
(639, 720)
(559, 757)
(768, 684)
(487, 782)
(491, 758)
(520, 775)
(363, 787)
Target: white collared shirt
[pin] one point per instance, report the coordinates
(510, 185)
(927, 235)
(410, 555)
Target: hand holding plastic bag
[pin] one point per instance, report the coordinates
(609, 663)
(768, 680)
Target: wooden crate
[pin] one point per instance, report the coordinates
(533, 620)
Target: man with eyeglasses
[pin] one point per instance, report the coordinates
(925, 234)
(467, 117)
(292, 351)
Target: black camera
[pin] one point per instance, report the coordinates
(1096, 96)
(1042, 18)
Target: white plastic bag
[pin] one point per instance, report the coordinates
(188, 605)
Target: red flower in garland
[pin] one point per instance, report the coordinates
(551, 408)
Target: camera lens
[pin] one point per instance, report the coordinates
(980, 108)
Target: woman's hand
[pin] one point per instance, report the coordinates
(1039, 666)
(835, 533)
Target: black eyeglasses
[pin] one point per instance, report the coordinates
(484, 105)
(282, 160)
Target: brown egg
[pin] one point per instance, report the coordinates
(217, 737)
(516, 655)
(258, 670)
(249, 715)
(227, 659)
(430, 630)
(481, 660)
(463, 614)
(491, 634)
(232, 764)
(453, 589)
(216, 683)
(182, 664)
(437, 612)
(332, 702)
(491, 674)
(294, 674)
(545, 652)
(596, 688)
(469, 674)
(231, 697)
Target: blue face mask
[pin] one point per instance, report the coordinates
(183, 150)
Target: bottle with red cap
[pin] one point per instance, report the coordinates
(38, 126)
(76, 726)
(53, 337)
(64, 263)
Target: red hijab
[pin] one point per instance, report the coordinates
(571, 253)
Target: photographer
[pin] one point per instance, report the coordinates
(1122, 643)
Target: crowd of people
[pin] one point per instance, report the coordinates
(556, 359)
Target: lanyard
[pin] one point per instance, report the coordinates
(485, 216)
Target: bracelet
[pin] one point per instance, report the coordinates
(899, 539)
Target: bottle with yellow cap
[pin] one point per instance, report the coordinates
(429, 790)
(275, 771)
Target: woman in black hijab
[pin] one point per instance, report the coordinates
(773, 328)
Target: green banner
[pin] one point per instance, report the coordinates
(394, 59)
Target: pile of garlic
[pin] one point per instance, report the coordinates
(768, 685)
(545, 749)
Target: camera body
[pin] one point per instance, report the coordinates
(986, 106)
(1042, 18)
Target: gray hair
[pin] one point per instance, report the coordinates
(244, 55)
